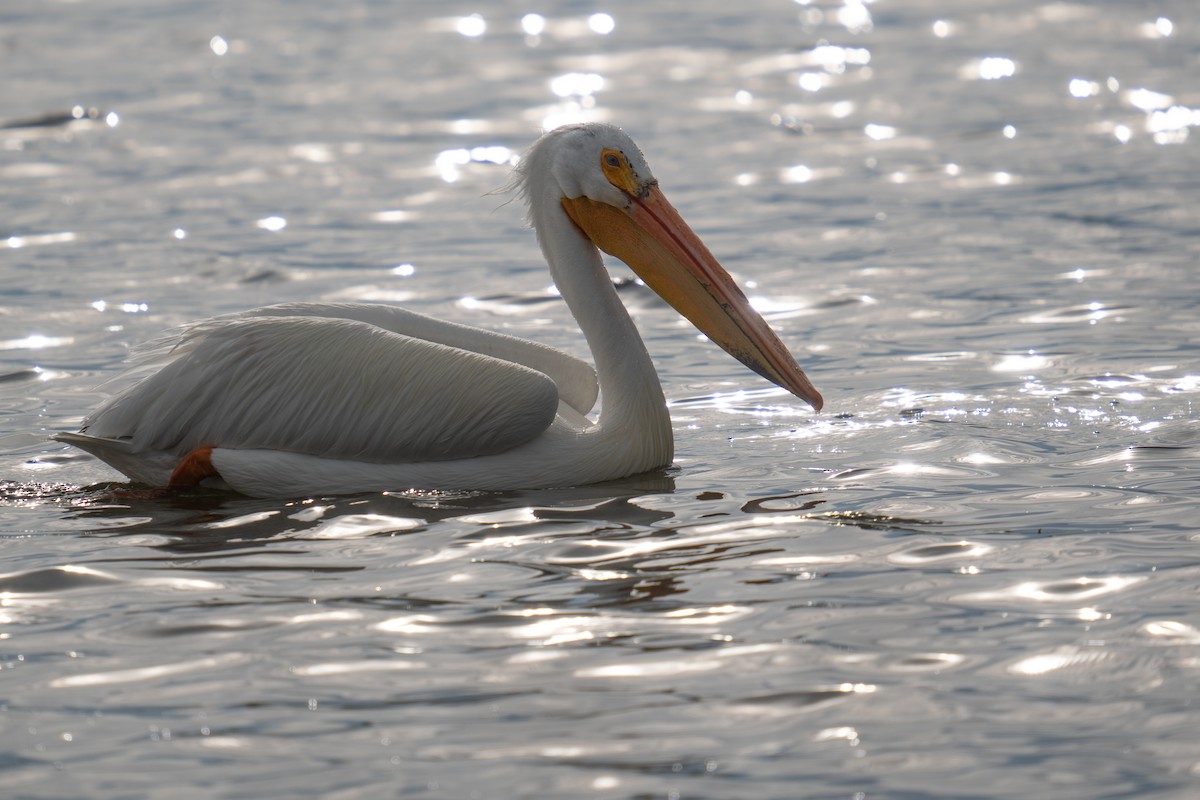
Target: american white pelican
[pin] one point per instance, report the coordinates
(321, 398)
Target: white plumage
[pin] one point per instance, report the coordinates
(336, 398)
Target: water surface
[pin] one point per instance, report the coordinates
(972, 575)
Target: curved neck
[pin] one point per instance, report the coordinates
(631, 396)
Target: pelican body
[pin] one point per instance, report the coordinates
(316, 398)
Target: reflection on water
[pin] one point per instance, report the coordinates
(976, 569)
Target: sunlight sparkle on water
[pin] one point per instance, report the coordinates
(1079, 87)
(1180, 632)
(391, 215)
(578, 84)
(1061, 591)
(991, 68)
(601, 23)
(35, 342)
(409, 623)
(1175, 118)
(17, 242)
(144, 674)
(354, 667)
(651, 669)
(533, 24)
(835, 59)
(1161, 28)
(448, 163)
(812, 81)
(879, 132)
(1148, 100)
(854, 17)
(1041, 664)
(471, 26)
(797, 174)
(1021, 363)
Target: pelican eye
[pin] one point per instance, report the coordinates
(619, 173)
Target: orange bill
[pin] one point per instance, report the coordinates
(669, 257)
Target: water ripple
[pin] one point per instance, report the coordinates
(1056, 591)
(147, 674)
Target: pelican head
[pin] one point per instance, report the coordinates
(600, 178)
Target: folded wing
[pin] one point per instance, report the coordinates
(331, 386)
(575, 378)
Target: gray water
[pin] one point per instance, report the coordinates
(974, 575)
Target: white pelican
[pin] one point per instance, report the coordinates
(320, 398)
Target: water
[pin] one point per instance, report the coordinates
(973, 575)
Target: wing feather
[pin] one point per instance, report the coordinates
(339, 388)
(575, 378)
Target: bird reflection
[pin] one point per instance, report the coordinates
(200, 521)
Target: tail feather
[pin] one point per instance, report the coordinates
(153, 468)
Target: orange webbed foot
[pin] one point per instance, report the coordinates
(195, 467)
